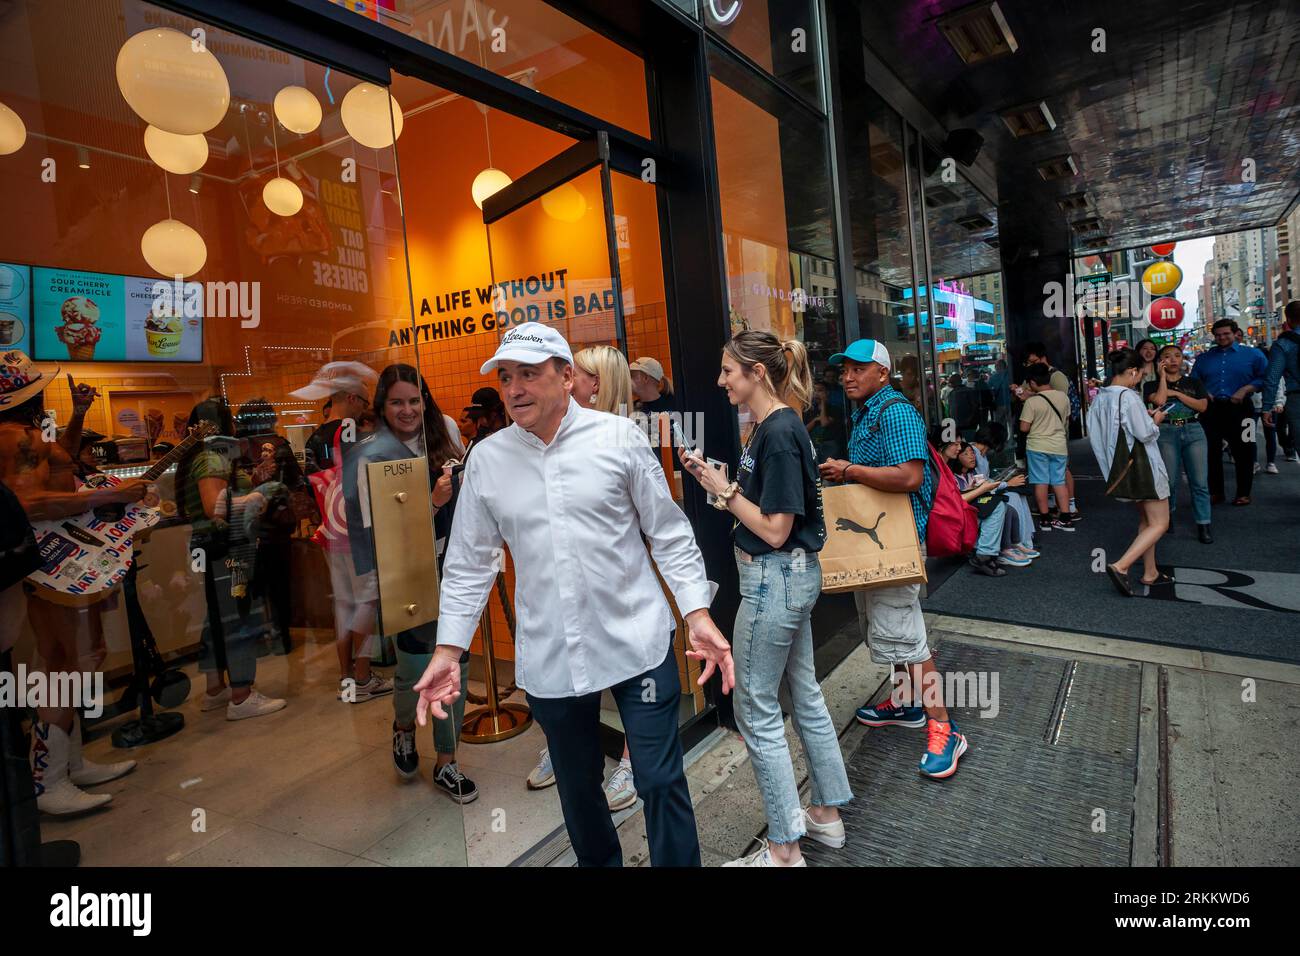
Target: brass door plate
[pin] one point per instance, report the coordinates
(401, 516)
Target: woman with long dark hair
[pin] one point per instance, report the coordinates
(215, 493)
(1118, 412)
(410, 425)
(1148, 350)
(779, 531)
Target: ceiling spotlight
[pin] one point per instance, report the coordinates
(83, 157)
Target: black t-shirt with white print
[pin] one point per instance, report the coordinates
(778, 472)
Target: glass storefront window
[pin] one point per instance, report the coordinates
(777, 229)
(967, 377)
(879, 233)
(535, 45)
(781, 36)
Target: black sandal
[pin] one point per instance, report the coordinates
(1119, 580)
(1161, 578)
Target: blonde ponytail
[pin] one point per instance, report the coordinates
(798, 383)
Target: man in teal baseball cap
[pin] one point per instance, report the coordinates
(888, 451)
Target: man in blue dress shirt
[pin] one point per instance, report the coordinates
(1230, 374)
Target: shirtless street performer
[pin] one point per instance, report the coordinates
(68, 639)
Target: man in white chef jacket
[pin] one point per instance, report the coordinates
(570, 491)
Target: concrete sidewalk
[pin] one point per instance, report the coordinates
(1197, 755)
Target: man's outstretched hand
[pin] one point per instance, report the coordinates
(710, 646)
(440, 685)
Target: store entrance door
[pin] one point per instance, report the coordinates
(559, 218)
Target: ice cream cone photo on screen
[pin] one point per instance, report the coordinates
(80, 331)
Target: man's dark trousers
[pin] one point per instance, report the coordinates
(648, 705)
(1225, 420)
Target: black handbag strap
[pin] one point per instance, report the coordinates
(1049, 405)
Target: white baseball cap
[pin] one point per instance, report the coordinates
(649, 366)
(353, 378)
(531, 343)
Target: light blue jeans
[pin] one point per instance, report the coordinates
(1185, 447)
(990, 540)
(772, 640)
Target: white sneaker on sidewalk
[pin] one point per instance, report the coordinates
(620, 792)
(1271, 468)
(762, 857)
(827, 834)
(254, 705)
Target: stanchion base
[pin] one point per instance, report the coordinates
(60, 853)
(483, 727)
(148, 730)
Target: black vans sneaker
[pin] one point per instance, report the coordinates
(455, 784)
(405, 758)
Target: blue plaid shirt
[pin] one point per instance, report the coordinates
(900, 437)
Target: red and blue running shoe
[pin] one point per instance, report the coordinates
(945, 746)
(889, 714)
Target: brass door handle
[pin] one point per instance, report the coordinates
(401, 496)
(411, 608)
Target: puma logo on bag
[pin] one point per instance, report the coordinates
(845, 524)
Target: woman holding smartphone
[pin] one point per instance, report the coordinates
(1183, 445)
(410, 426)
(779, 530)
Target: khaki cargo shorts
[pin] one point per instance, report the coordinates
(892, 624)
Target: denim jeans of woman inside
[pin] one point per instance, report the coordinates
(773, 639)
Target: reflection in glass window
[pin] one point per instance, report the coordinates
(777, 229)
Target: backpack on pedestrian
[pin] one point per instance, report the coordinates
(954, 525)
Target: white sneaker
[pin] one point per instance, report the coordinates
(828, 834)
(87, 773)
(355, 692)
(543, 774)
(1271, 468)
(254, 705)
(213, 701)
(1256, 469)
(762, 857)
(620, 792)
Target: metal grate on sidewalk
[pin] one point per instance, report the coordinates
(1062, 746)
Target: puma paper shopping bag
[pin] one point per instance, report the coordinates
(870, 539)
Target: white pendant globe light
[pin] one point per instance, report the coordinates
(175, 153)
(170, 84)
(371, 116)
(13, 132)
(282, 196)
(297, 109)
(489, 181)
(565, 203)
(173, 249)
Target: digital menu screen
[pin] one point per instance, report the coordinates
(15, 307)
(97, 317)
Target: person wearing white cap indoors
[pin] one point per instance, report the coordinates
(69, 639)
(888, 451)
(347, 386)
(652, 389)
(570, 491)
